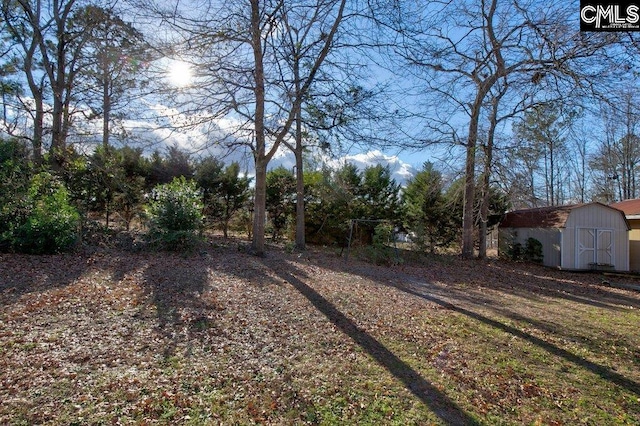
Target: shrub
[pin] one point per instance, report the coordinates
(174, 215)
(15, 175)
(530, 252)
(380, 255)
(379, 252)
(51, 222)
(533, 251)
(514, 251)
(382, 234)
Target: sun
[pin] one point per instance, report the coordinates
(180, 74)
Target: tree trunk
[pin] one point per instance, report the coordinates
(300, 228)
(260, 157)
(37, 93)
(486, 179)
(484, 206)
(227, 218)
(469, 179)
(58, 138)
(486, 176)
(469, 193)
(106, 116)
(552, 178)
(259, 208)
(38, 130)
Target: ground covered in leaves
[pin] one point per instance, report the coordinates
(221, 337)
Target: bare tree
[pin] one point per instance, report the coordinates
(493, 120)
(463, 49)
(545, 128)
(50, 49)
(26, 59)
(498, 111)
(299, 45)
(237, 51)
(336, 102)
(581, 141)
(617, 160)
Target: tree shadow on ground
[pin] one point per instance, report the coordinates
(178, 294)
(580, 287)
(520, 278)
(169, 286)
(439, 403)
(22, 274)
(600, 370)
(446, 295)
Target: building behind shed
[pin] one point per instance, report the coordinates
(631, 209)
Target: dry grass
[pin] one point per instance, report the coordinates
(221, 337)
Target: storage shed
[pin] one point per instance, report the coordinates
(575, 237)
(631, 209)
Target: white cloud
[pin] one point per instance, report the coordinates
(400, 171)
(207, 135)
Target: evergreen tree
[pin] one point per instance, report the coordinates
(380, 194)
(281, 190)
(225, 191)
(426, 212)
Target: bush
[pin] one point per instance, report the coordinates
(531, 252)
(51, 222)
(15, 175)
(380, 255)
(382, 234)
(379, 252)
(174, 215)
(514, 251)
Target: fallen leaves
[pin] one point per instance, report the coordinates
(223, 337)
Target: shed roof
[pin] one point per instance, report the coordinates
(629, 207)
(546, 217)
(541, 217)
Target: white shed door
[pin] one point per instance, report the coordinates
(594, 246)
(604, 244)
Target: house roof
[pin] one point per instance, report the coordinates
(629, 207)
(546, 217)
(541, 217)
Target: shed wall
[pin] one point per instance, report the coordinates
(549, 237)
(595, 216)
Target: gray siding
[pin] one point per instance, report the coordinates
(568, 247)
(549, 237)
(595, 216)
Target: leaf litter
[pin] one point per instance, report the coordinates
(219, 337)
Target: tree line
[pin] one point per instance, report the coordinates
(111, 189)
(502, 85)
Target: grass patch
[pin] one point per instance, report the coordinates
(224, 338)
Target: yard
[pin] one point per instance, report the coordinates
(221, 337)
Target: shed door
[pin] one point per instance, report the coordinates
(604, 247)
(594, 246)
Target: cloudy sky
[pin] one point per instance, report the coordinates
(167, 127)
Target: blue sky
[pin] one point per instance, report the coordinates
(162, 128)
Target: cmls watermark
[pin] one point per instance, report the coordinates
(609, 16)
